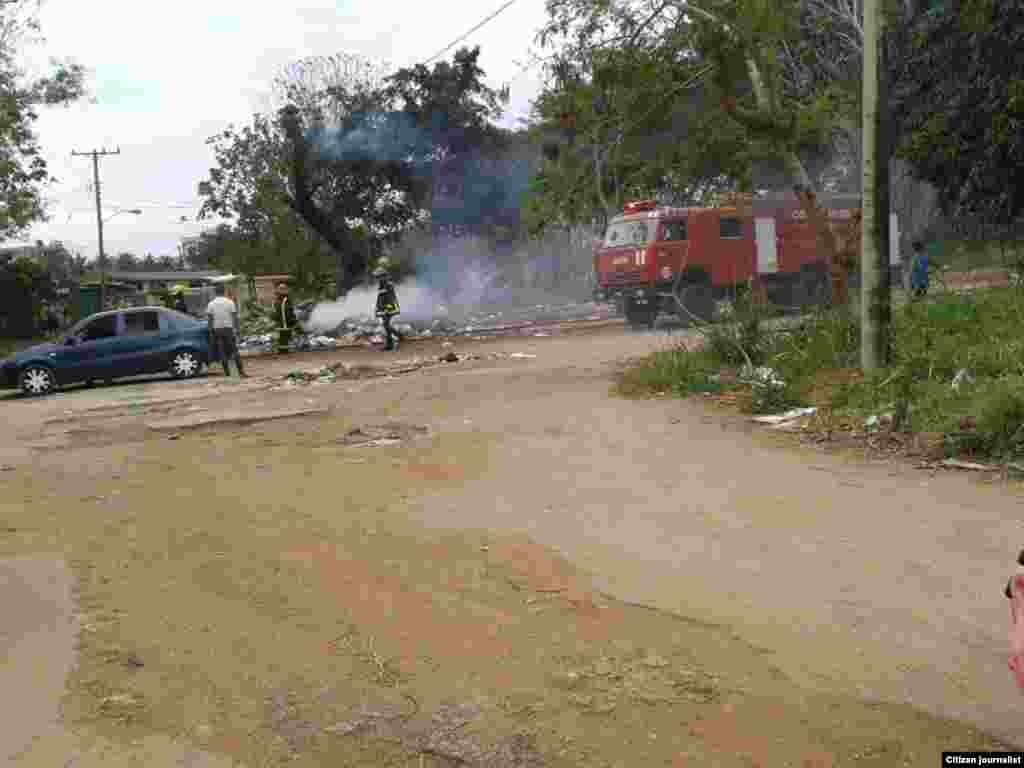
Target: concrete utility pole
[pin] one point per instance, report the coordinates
(875, 305)
(96, 155)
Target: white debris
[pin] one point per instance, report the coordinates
(762, 376)
(956, 464)
(781, 418)
(521, 356)
(963, 376)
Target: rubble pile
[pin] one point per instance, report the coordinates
(259, 331)
(331, 373)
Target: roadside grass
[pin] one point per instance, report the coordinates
(957, 370)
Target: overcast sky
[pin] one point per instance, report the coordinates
(167, 75)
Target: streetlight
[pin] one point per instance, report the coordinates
(102, 255)
(136, 211)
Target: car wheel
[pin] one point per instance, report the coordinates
(185, 364)
(37, 380)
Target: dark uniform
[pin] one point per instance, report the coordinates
(284, 314)
(387, 308)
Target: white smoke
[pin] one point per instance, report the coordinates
(468, 284)
(417, 301)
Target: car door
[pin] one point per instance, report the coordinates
(138, 346)
(90, 356)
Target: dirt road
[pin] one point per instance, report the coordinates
(471, 535)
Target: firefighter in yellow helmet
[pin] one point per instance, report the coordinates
(387, 306)
(179, 299)
(284, 314)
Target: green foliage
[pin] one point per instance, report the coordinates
(959, 102)
(24, 284)
(298, 178)
(674, 371)
(23, 171)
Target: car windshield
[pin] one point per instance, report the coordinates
(630, 233)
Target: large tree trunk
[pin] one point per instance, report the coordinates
(351, 264)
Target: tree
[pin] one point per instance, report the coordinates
(23, 171)
(349, 152)
(23, 285)
(126, 262)
(740, 42)
(642, 125)
(960, 102)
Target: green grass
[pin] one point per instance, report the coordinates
(981, 333)
(672, 371)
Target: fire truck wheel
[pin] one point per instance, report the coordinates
(697, 301)
(814, 286)
(640, 317)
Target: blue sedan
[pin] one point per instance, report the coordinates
(113, 345)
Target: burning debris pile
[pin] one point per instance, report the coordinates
(328, 329)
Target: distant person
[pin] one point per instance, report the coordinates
(224, 329)
(284, 315)
(387, 308)
(918, 271)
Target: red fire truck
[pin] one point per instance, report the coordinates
(656, 259)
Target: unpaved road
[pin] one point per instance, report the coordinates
(215, 565)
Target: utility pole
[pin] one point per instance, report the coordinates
(96, 154)
(875, 304)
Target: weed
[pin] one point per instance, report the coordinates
(677, 371)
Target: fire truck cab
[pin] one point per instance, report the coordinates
(679, 260)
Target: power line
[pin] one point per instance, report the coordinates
(96, 154)
(467, 34)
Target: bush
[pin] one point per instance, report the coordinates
(742, 340)
(998, 429)
(676, 371)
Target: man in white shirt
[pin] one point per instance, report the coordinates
(222, 315)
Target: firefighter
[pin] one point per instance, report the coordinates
(179, 299)
(284, 315)
(387, 307)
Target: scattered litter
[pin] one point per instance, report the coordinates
(542, 334)
(781, 418)
(957, 464)
(521, 356)
(174, 437)
(963, 376)
(761, 377)
(6, 467)
(451, 357)
(874, 423)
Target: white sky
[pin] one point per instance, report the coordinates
(168, 75)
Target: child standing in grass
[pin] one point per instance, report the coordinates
(919, 271)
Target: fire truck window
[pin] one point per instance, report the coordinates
(674, 231)
(629, 233)
(731, 229)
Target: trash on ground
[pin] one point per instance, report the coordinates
(875, 422)
(522, 356)
(963, 377)
(781, 418)
(971, 465)
(761, 377)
